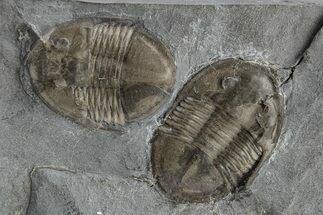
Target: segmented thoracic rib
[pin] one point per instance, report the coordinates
(209, 128)
(102, 104)
(108, 49)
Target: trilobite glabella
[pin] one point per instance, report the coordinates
(222, 126)
(102, 71)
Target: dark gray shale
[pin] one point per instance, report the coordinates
(32, 135)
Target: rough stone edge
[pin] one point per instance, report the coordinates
(208, 2)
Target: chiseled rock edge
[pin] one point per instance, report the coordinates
(208, 2)
(61, 191)
(14, 187)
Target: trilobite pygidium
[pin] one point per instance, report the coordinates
(222, 126)
(102, 71)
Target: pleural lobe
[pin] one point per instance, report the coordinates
(211, 131)
(102, 71)
(102, 97)
(218, 132)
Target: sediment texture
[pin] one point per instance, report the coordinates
(32, 135)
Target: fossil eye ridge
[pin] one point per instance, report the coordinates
(222, 126)
(102, 71)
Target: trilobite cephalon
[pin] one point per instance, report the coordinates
(222, 126)
(102, 71)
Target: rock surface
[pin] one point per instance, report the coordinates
(31, 135)
(207, 2)
(59, 191)
(14, 187)
(64, 192)
(295, 170)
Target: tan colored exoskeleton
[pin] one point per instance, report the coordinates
(223, 125)
(102, 71)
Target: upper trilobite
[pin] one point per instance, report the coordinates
(222, 126)
(102, 71)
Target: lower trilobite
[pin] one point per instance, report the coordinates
(102, 71)
(222, 126)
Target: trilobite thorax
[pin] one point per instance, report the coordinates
(223, 125)
(102, 71)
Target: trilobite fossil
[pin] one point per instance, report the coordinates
(222, 127)
(102, 71)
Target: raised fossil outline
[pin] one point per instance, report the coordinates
(102, 71)
(222, 126)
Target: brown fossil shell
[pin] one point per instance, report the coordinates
(223, 125)
(102, 71)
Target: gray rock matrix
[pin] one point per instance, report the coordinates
(50, 165)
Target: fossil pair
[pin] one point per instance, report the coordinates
(222, 126)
